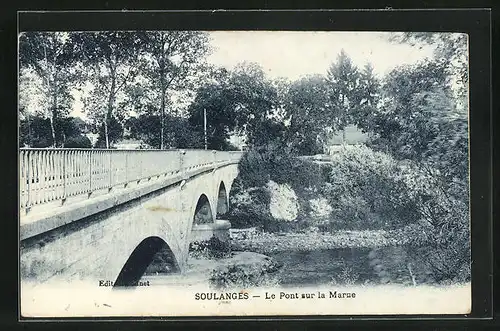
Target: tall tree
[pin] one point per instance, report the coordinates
(344, 81)
(51, 57)
(307, 105)
(171, 62)
(112, 61)
(369, 96)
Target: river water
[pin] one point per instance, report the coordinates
(300, 268)
(318, 267)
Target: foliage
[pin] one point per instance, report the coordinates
(35, 131)
(109, 133)
(307, 105)
(240, 101)
(250, 195)
(245, 276)
(171, 63)
(365, 193)
(353, 93)
(372, 190)
(78, 142)
(179, 133)
(419, 121)
(50, 59)
(112, 62)
(450, 51)
(213, 248)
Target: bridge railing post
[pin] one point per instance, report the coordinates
(126, 169)
(90, 174)
(64, 175)
(110, 168)
(182, 165)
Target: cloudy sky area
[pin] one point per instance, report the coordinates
(292, 54)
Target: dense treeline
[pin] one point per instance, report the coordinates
(155, 86)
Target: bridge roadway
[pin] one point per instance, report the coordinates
(106, 214)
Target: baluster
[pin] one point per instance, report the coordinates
(28, 177)
(89, 171)
(110, 171)
(71, 174)
(49, 193)
(36, 194)
(126, 169)
(78, 178)
(64, 175)
(25, 184)
(41, 176)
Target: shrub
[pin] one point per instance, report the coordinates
(366, 192)
(250, 195)
(213, 248)
(80, 141)
(245, 276)
(371, 190)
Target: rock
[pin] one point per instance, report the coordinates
(284, 203)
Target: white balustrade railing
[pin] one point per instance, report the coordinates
(55, 174)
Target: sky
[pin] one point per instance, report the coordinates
(292, 54)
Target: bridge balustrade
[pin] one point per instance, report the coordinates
(55, 174)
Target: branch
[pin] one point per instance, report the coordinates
(124, 80)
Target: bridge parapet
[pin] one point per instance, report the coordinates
(48, 175)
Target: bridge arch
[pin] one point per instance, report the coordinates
(141, 258)
(203, 211)
(222, 200)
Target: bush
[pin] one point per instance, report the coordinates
(371, 190)
(250, 196)
(213, 248)
(238, 276)
(366, 191)
(80, 141)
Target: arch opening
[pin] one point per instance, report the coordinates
(152, 253)
(222, 201)
(203, 211)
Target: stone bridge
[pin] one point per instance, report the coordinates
(105, 215)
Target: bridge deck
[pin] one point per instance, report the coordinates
(54, 211)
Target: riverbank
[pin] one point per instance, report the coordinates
(263, 242)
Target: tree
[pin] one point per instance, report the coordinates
(307, 106)
(403, 123)
(369, 96)
(344, 81)
(241, 101)
(171, 61)
(112, 60)
(218, 100)
(51, 57)
(451, 52)
(182, 135)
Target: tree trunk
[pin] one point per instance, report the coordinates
(30, 139)
(106, 130)
(52, 130)
(162, 119)
(111, 101)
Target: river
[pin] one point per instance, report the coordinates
(340, 266)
